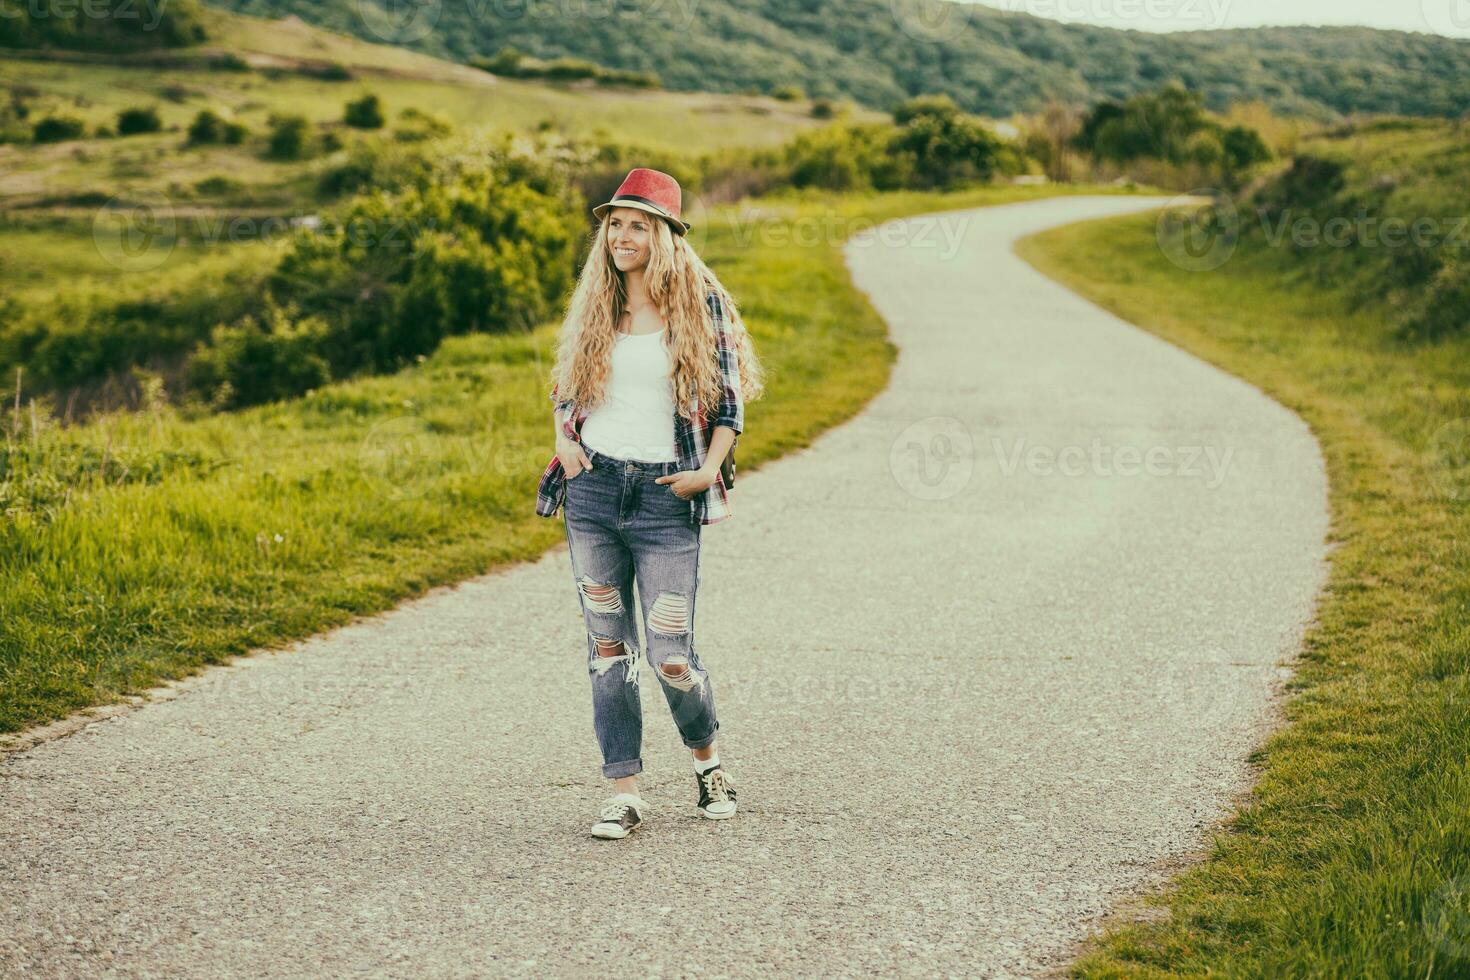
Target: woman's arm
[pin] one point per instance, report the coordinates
(731, 411)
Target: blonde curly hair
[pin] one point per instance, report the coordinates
(678, 284)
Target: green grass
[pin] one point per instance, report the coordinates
(1351, 856)
(139, 547)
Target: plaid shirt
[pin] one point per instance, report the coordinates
(690, 438)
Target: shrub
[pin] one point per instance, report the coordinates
(633, 79)
(939, 106)
(788, 93)
(506, 63)
(259, 360)
(55, 129)
(1441, 308)
(1170, 125)
(418, 126)
(330, 72)
(1244, 147)
(210, 127)
(467, 248)
(947, 150)
(132, 122)
(289, 137)
(365, 113)
(385, 166)
(839, 158)
(570, 69)
(217, 185)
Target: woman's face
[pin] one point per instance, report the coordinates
(628, 234)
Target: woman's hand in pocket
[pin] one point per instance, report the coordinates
(573, 458)
(687, 483)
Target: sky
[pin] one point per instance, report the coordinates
(1449, 17)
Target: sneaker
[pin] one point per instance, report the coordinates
(716, 794)
(620, 816)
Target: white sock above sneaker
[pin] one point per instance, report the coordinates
(703, 766)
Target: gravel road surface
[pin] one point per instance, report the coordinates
(987, 657)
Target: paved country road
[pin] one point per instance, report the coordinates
(988, 657)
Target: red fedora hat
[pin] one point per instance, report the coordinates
(649, 190)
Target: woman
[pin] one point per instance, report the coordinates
(652, 374)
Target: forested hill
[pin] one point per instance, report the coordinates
(100, 25)
(880, 51)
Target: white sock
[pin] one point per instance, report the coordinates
(703, 766)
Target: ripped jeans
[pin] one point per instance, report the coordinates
(621, 525)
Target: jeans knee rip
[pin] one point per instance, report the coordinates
(600, 664)
(600, 597)
(682, 678)
(669, 614)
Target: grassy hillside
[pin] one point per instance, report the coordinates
(879, 52)
(1352, 857)
(288, 55)
(1382, 211)
(222, 198)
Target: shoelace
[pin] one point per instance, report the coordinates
(613, 810)
(714, 785)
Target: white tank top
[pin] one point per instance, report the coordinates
(636, 421)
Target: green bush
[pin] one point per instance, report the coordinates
(788, 93)
(570, 69)
(633, 79)
(513, 63)
(55, 129)
(263, 360)
(1170, 125)
(1244, 148)
(290, 137)
(329, 72)
(462, 250)
(371, 163)
(940, 106)
(416, 126)
(137, 120)
(365, 113)
(210, 127)
(1441, 308)
(507, 62)
(947, 150)
(840, 158)
(937, 147)
(218, 185)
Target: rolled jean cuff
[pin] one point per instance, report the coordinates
(617, 770)
(706, 742)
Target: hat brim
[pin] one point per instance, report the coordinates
(679, 227)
